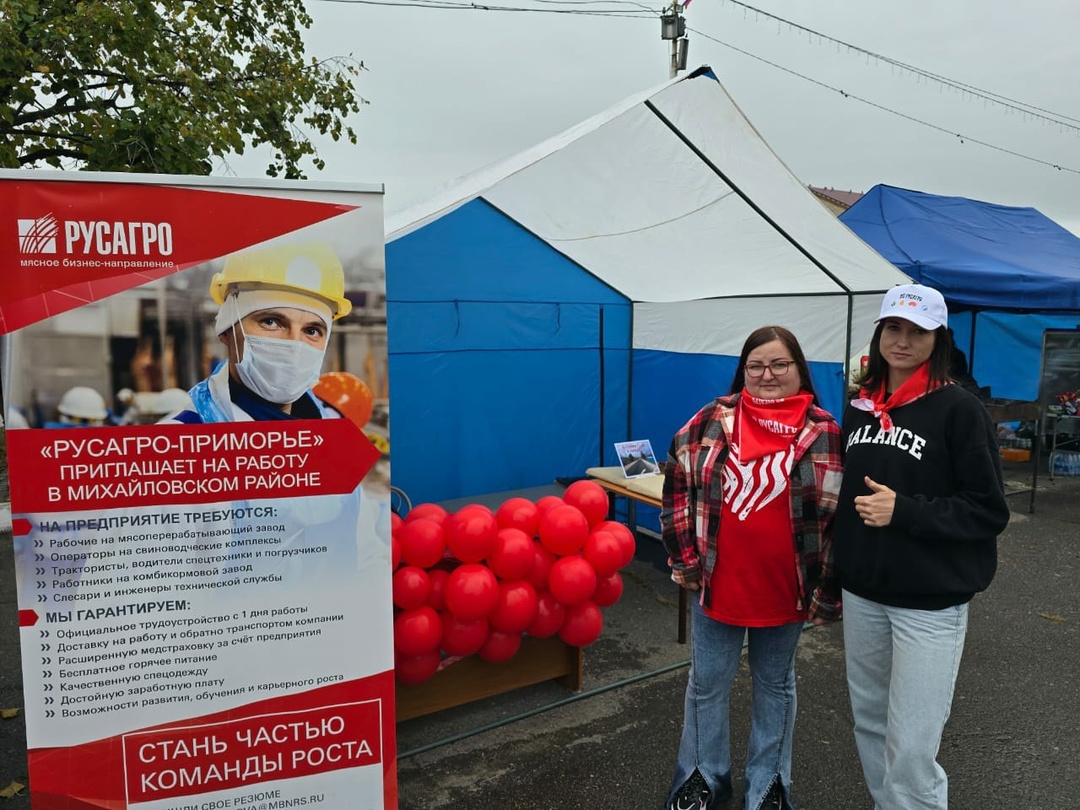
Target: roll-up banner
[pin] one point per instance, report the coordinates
(196, 404)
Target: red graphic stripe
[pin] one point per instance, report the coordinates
(104, 230)
(92, 776)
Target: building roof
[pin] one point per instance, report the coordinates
(844, 198)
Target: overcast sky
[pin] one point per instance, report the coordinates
(450, 91)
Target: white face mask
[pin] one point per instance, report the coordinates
(278, 369)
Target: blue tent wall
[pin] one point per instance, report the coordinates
(1008, 355)
(496, 345)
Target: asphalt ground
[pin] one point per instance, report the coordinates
(1013, 740)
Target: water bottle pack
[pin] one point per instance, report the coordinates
(1065, 463)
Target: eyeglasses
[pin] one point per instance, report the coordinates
(778, 368)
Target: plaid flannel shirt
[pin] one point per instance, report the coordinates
(693, 501)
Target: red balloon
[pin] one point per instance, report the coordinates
(590, 498)
(608, 590)
(500, 647)
(416, 668)
(563, 529)
(395, 523)
(572, 580)
(547, 502)
(518, 513)
(516, 609)
(476, 506)
(430, 511)
(624, 535)
(604, 552)
(542, 562)
(512, 555)
(471, 591)
(417, 631)
(470, 533)
(411, 586)
(461, 637)
(437, 595)
(582, 625)
(549, 616)
(395, 552)
(422, 542)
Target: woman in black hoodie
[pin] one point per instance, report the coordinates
(921, 506)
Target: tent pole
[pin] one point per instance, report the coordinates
(847, 348)
(678, 133)
(603, 385)
(971, 343)
(630, 376)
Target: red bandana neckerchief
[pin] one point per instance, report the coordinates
(914, 387)
(765, 426)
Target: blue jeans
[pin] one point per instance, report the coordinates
(716, 649)
(901, 669)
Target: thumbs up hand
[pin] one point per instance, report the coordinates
(876, 509)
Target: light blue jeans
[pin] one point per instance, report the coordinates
(901, 670)
(716, 649)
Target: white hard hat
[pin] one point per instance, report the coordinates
(15, 419)
(174, 399)
(81, 402)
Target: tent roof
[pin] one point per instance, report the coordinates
(671, 195)
(978, 254)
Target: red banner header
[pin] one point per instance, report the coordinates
(65, 244)
(71, 469)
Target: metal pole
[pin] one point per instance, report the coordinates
(673, 71)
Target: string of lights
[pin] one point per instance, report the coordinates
(636, 10)
(963, 87)
(960, 136)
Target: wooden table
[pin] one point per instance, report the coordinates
(471, 678)
(648, 489)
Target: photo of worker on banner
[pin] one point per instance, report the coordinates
(277, 308)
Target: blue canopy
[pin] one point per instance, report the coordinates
(1016, 271)
(977, 254)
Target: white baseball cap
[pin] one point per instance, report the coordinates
(923, 306)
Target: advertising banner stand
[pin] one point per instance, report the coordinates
(196, 411)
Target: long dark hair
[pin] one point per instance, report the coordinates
(767, 334)
(877, 370)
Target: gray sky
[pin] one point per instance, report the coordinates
(452, 91)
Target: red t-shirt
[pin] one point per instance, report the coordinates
(754, 583)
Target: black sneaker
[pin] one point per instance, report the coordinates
(693, 795)
(774, 799)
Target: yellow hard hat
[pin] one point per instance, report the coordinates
(312, 269)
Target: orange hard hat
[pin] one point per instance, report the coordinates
(347, 394)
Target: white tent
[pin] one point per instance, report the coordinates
(659, 233)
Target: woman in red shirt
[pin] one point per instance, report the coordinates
(750, 490)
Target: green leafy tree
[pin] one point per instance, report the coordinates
(165, 85)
